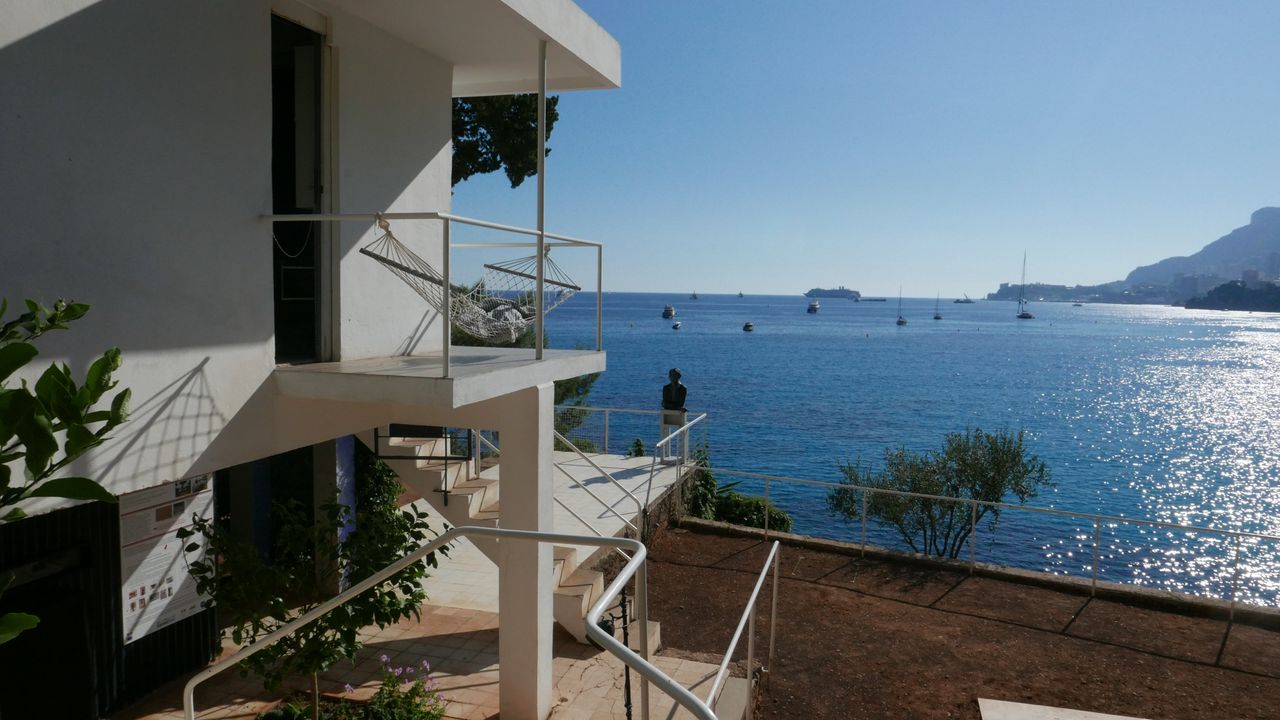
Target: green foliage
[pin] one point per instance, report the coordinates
(749, 510)
(260, 595)
(49, 425)
(706, 498)
(973, 465)
(499, 132)
(637, 448)
(700, 492)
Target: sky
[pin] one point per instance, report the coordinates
(771, 147)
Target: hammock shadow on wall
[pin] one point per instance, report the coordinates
(168, 431)
(499, 308)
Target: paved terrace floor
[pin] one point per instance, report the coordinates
(461, 647)
(879, 640)
(471, 580)
(458, 632)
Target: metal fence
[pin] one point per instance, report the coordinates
(614, 431)
(1235, 566)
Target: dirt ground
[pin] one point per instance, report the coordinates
(880, 640)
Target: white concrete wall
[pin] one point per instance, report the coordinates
(135, 137)
(394, 154)
(135, 160)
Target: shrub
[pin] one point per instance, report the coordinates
(749, 510)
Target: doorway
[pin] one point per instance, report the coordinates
(297, 187)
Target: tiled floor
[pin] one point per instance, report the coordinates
(461, 648)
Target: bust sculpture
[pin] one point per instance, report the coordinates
(673, 393)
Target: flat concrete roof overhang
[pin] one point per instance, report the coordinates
(476, 374)
(493, 44)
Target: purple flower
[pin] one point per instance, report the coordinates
(426, 666)
(397, 671)
(348, 688)
(384, 659)
(408, 670)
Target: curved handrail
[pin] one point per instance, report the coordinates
(634, 567)
(747, 615)
(602, 471)
(682, 429)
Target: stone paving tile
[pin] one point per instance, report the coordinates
(1013, 602)
(1187, 638)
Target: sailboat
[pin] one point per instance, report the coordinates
(901, 320)
(1022, 293)
(694, 296)
(937, 311)
(966, 301)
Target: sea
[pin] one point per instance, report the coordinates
(1140, 412)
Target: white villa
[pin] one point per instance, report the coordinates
(146, 145)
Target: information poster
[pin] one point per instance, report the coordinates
(157, 590)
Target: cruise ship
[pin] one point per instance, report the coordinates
(840, 292)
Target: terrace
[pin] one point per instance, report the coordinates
(860, 630)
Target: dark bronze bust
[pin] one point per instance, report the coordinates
(673, 393)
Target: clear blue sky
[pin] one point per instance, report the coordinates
(772, 147)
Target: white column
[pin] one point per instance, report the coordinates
(524, 569)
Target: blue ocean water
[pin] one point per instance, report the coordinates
(1147, 412)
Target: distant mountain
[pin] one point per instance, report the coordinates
(1255, 246)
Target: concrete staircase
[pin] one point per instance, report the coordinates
(474, 500)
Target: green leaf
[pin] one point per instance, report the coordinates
(13, 624)
(120, 407)
(14, 356)
(98, 380)
(79, 439)
(36, 433)
(56, 391)
(14, 514)
(72, 488)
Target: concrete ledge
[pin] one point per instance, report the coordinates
(1180, 603)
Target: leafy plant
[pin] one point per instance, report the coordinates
(636, 449)
(706, 498)
(49, 425)
(261, 595)
(406, 693)
(973, 465)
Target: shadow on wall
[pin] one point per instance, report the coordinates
(167, 432)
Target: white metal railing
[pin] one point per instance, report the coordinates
(606, 412)
(594, 530)
(681, 457)
(609, 476)
(635, 567)
(448, 219)
(748, 620)
(1098, 521)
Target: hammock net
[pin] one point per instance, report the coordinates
(499, 308)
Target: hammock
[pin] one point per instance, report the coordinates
(498, 308)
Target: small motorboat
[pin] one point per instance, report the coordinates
(749, 327)
(668, 312)
(675, 325)
(1077, 304)
(813, 307)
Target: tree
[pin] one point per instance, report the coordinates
(49, 425)
(259, 595)
(500, 132)
(972, 465)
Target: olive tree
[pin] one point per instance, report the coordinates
(988, 467)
